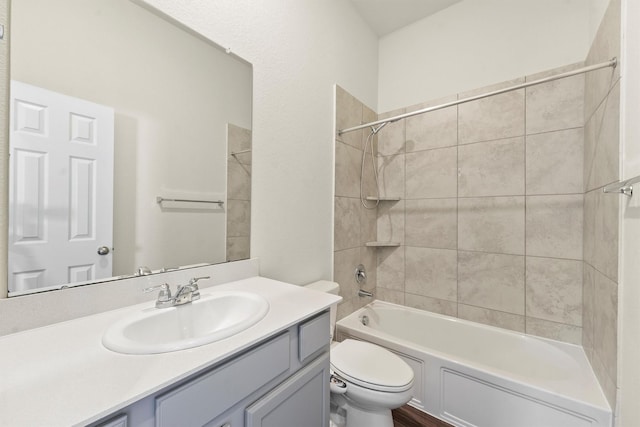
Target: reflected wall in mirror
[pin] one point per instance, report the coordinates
(178, 111)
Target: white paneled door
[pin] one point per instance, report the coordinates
(61, 189)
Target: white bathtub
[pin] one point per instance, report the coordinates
(473, 375)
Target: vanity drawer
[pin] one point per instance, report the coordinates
(313, 336)
(206, 397)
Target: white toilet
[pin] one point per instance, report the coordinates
(367, 381)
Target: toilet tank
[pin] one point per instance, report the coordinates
(329, 287)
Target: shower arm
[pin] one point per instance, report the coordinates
(381, 123)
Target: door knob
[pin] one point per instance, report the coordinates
(103, 250)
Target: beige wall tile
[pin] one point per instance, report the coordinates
(391, 139)
(496, 117)
(607, 384)
(555, 162)
(555, 105)
(237, 248)
(605, 257)
(391, 268)
(555, 331)
(368, 225)
(368, 175)
(391, 221)
(491, 88)
(238, 218)
(494, 168)
(606, 45)
(238, 139)
(346, 232)
(344, 266)
(492, 281)
(368, 116)
(389, 295)
(369, 143)
(369, 259)
(432, 173)
(587, 346)
(432, 130)
(348, 114)
(554, 71)
(588, 305)
(554, 290)
(345, 308)
(448, 308)
(348, 161)
(498, 319)
(391, 175)
(601, 213)
(589, 226)
(431, 223)
(431, 272)
(238, 180)
(605, 327)
(602, 136)
(491, 224)
(554, 226)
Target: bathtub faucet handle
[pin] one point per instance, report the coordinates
(361, 275)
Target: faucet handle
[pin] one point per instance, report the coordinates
(163, 287)
(194, 281)
(193, 284)
(165, 292)
(164, 297)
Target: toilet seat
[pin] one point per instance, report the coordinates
(371, 366)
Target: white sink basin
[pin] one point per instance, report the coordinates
(213, 317)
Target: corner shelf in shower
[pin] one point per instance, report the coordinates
(382, 244)
(383, 199)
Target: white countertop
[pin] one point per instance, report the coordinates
(61, 374)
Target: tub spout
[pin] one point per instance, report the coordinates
(363, 293)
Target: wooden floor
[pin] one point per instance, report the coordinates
(406, 416)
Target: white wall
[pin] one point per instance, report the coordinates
(597, 8)
(476, 43)
(299, 49)
(173, 95)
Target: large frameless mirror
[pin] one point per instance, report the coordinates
(130, 145)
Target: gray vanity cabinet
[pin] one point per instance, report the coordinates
(301, 401)
(280, 382)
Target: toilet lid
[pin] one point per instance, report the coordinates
(371, 366)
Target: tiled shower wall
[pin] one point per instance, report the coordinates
(491, 213)
(601, 211)
(354, 224)
(502, 219)
(238, 192)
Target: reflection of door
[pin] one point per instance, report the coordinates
(61, 189)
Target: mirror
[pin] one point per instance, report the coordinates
(130, 145)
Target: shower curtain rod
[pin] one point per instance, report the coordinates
(611, 63)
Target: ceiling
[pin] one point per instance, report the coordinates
(386, 16)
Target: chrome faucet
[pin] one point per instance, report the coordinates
(184, 294)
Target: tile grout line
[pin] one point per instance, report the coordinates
(524, 309)
(458, 209)
(404, 228)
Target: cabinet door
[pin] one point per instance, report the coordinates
(209, 395)
(119, 421)
(302, 400)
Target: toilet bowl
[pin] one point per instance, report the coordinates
(367, 381)
(375, 382)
